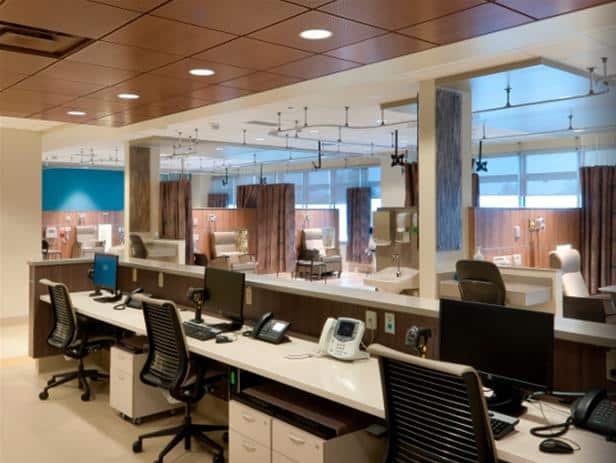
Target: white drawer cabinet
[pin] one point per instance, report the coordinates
(294, 443)
(127, 394)
(250, 422)
(245, 450)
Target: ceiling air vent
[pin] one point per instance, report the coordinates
(24, 39)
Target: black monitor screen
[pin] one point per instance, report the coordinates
(512, 344)
(106, 271)
(224, 293)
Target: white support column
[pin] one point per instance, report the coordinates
(20, 216)
(427, 189)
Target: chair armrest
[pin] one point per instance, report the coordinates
(586, 308)
(310, 254)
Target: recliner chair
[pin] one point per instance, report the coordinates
(227, 256)
(480, 281)
(170, 366)
(577, 301)
(313, 249)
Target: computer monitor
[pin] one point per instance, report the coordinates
(224, 294)
(106, 272)
(512, 349)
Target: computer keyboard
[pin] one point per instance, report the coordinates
(502, 424)
(200, 332)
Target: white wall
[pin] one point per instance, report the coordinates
(20, 216)
(200, 187)
(392, 184)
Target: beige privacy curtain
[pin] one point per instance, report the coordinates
(176, 213)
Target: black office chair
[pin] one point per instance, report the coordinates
(137, 247)
(170, 367)
(76, 337)
(480, 281)
(435, 411)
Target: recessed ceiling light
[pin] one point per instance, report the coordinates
(314, 131)
(76, 113)
(128, 96)
(315, 34)
(259, 139)
(219, 148)
(201, 72)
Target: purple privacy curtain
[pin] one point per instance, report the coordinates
(247, 196)
(598, 226)
(276, 227)
(217, 200)
(176, 213)
(358, 224)
(411, 185)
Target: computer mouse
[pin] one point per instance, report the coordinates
(555, 446)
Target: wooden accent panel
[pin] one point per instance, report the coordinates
(40, 319)
(139, 191)
(308, 314)
(448, 170)
(318, 218)
(492, 229)
(226, 220)
(580, 367)
(59, 220)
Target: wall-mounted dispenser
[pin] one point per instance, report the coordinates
(403, 227)
(381, 228)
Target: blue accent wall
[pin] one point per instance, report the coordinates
(83, 190)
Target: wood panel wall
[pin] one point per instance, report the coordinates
(578, 367)
(62, 219)
(318, 218)
(139, 189)
(492, 229)
(226, 220)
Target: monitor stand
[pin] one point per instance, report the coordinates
(97, 292)
(198, 317)
(507, 399)
(226, 326)
(115, 297)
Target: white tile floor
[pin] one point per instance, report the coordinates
(64, 429)
(13, 339)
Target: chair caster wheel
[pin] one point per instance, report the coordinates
(85, 396)
(137, 446)
(225, 437)
(218, 459)
(44, 395)
(138, 421)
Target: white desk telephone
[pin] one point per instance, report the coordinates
(341, 339)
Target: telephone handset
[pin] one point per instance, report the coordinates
(269, 329)
(341, 339)
(131, 301)
(595, 412)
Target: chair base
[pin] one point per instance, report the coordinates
(81, 374)
(185, 432)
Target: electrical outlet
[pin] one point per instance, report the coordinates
(134, 275)
(371, 320)
(161, 279)
(390, 323)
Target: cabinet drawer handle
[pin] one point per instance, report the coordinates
(248, 447)
(296, 440)
(248, 418)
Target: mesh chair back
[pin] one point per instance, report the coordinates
(65, 327)
(137, 247)
(480, 281)
(435, 411)
(167, 362)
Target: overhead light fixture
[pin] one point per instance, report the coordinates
(314, 131)
(315, 34)
(128, 96)
(76, 113)
(201, 72)
(219, 148)
(260, 139)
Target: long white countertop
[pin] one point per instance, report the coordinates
(598, 334)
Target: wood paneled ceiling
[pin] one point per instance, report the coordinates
(147, 47)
